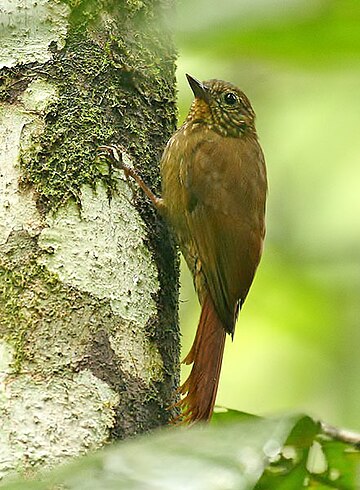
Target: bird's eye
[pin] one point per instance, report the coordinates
(230, 98)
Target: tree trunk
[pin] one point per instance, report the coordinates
(89, 338)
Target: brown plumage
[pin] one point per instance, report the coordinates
(214, 191)
(206, 357)
(213, 196)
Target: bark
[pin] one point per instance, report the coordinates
(89, 337)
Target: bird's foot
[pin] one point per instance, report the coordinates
(116, 155)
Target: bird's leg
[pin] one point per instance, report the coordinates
(114, 154)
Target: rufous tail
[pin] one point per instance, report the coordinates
(200, 388)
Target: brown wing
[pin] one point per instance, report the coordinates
(225, 182)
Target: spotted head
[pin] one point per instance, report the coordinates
(221, 106)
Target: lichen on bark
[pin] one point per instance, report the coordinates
(115, 80)
(88, 279)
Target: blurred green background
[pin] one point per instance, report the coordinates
(297, 340)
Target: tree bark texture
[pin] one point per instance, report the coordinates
(89, 337)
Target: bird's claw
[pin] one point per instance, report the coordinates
(119, 159)
(114, 154)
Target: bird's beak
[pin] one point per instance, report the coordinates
(199, 89)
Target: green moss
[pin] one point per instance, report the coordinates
(12, 83)
(84, 13)
(46, 322)
(113, 88)
(11, 317)
(114, 81)
(20, 276)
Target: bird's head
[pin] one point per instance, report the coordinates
(221, 106)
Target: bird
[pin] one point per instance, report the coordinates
(213, 196)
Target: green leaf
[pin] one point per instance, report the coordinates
(238, 451)
(290, 472)
(224, 415)
(288, 481)
(219, 457)
(343, 464)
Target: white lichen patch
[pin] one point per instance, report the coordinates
(6, 358)
(138, 355)
(37, 96)
(28, 27)
(17, 208)
(44, 421)
(18, 123)
(99, 248)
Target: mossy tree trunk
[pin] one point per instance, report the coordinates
(88, 273)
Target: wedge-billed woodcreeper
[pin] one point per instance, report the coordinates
(214, 190)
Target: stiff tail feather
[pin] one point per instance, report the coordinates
(200, 388)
